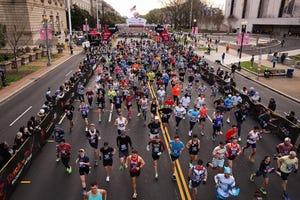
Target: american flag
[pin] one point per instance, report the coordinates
(133, 8)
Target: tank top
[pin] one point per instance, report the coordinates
(153, 107)
(232, 152)
(121, 123)
(194, 147)
(134, 163)
(198, 173)
(252, 139)
(144, 104)
(83, 110)
(97, 197)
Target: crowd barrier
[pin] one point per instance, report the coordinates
(279, 126)
(12, 172)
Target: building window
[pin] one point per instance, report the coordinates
(260, 9)
(244, 9)
(232, 7)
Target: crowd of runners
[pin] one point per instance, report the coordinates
(126, 73)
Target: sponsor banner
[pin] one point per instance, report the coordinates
(106, 35)
(43, 34)
(136, 21)
(86, 27)
(246, 39)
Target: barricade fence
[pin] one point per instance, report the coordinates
(279, 126)
(12, 172)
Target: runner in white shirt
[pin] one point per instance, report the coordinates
(121, 123)
(161, 93)
(218, 159)
(185, 100)
(225, 184)
(179, 112)
(200, 100)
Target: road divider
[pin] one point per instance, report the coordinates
(180, 180)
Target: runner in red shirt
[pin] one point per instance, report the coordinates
(169, 101)
(233, 150)
(136, 163)
(231, 133)
(64, 152)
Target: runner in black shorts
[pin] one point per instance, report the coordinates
(107, 153)
(157, 148)
(123, 142)
(69, 108)
(94, 136)
(84, 168)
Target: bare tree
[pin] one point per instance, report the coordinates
(231, 20)
(16, 39)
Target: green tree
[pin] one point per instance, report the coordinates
(2, 35)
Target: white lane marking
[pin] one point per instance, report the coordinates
(209, 118)
(68, 73)
(62, 119)
(20, 116)
(110, 114)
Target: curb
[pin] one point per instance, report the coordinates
(15, 92)
(267, 86)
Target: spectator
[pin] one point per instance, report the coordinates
(244, 91)
(251, 91)
(264, 120)
(291, 117)
(252, 61)
(233, 69)
(256, 98)
(272, 104)
(275, 59)
(223, 57)
(18, 141)
(5, 153)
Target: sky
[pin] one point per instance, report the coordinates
(144, 6)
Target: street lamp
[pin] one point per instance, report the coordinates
(195, 25)
(86, 27)
(70, 28)
(45, 22)
(244, 26)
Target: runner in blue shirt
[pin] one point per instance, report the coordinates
(194, 115)
(217, 124)
(228, 105)
(176, 147)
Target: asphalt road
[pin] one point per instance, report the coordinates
(50, 181)
(17, 110)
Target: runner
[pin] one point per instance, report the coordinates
(176, 93)
(93, 136)
(158, 148)
(284, 148)
(69, 109)
(90, 95)
(83, 108)
(231, 133)
(185, 100)
(95, 193)
(123, 142)
(118, 101)
(233, 150)
(194, 115)
(193, 146)
(218, 159)
(84, 168)
(264, 169)
(128, 102)
(240, 116)
(136, 163)
(161, 93)
(200, 100)
(138, 96)
(202, 89)
(176, 148)
(111, 94)
(225, 184)
(101, 106)
(64, 152)
(179, 112)
(153, 108)
(217, 124)
(228, 106)
(121, 123)
(197, 174)
(154, 127)
(144, 108)
(165, 114)
(285, 165)
(202, 118)
(252, 138)
(59, 134)
(107, 153)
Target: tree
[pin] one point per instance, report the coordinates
(16, 38)
(218, 20)
(231, 20)
(2, 35)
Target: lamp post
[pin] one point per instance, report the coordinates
(86, 28)
(244, 26)
(97, 8)
(195, 25)
(70, 27)
(45, 22)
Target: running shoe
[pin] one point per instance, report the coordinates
(263, 191)
(190, 165)
(228, 121)
(221, 133)
(285, 196)
(173, 177)
(134, 196)
(202, 133)
(251, 159)
(86, 128)
(57, 159)
(252, 178)
(139, 114)
(208, 164)
(190, 133)
(84, 192)
(69, 170)
(176, 127)
(121, 167)
(107, 179)
(183, 117)
(213, 138)
(239, 139)
(96, 163)
(156, 176)
(190, 185)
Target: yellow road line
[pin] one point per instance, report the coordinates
(25, 182)
(178, 170)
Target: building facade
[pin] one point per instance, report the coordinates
(275, 17)
(27, 16)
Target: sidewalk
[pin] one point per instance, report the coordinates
(17, 86)
(278, 84)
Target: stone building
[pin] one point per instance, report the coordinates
(265, 16)
(26, 16)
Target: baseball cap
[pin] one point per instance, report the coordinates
(81, 150)
(156, 117)
(229, 95)
(92, 125)
(105, 144)
(227, 170)
(287, 139)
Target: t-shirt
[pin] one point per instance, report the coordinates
(175, 148)
(84, 159)
(107, 153)
(287, 164)
(179, 112)
(194, 115)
